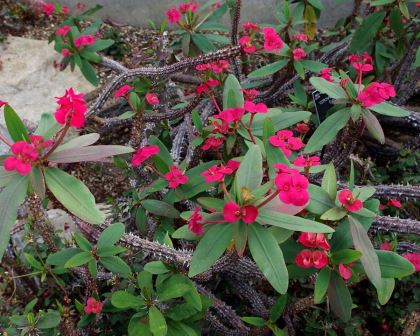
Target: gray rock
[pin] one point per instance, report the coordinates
(29, 81)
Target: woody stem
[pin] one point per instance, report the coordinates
(225, 191)
(248, 129)
(213, 99)
(59, 140)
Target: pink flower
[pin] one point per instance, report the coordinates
(394, 202)
(188, 7)
(300, 37)
(250, 94)
(173, 15)
(251, 26)
(48, 8)
(152, 99)
(84, 40)
(202, 88)
(385, 246)
(293, 188)
(63, 30)
(72, 109)
(38, 142)
(252, 107)
(65, 10)
(24, 156)
(345, 271)
(246, 43)
(142, 154)
(93, 306)
(348, 201)
(122, 91)
(286, 142)
(272, 41)
(216, 173)
(216, 66)
(232, 164)
(302, 128)
(2, 103)
(376, 93)
(80, 6)
(232, 212)
(309, 161)
(298, 54)
(314, 240)
(212, 82)
(362, 63)
(414, 258)
(195, 224)
(175, 177)
(212, 143)
(230, 115)
(304, 259)
(326, 74)
(65, 52)
(319, 259)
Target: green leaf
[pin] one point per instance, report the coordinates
(327, 130)
(117, 265)
(74, 195)
(390, 110)
(250, 173)
(108, 251)
(49, 320)
(15, 126)
(164, 156)
(47, 126)
(137, 326)
(174, 287)
(157, 322)
(369, 258)
(393, 265)
(210, 248)
(82, 242)
(313, 66)
(89, 72)
(60, 258)
(35, 264)
(203, 43)
(321, 284)
(363, 37)
(156, 267)
(346, 256)
(269, 69)
(93, 268)
(80, 141)
(160, 208)
(79, 259)
(289, 222)
(6, 176)
(232, 94)
(211, 203)
(90, 153)
(254, 320)
(339, 297)
(280, 234)
(334, 214)
(385, 290)
(373, 126)
(329, 181)
(268, 256)
(111, 235)
(125, 300)
(277, 308)
(37, 181)
(11, 197)
(196, 119)
(333, 90)
(99, 45)
(320, 200)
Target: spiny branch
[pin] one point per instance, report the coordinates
(396, 224)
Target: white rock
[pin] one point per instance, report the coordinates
(28, 80)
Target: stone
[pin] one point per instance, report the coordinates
(28, 80)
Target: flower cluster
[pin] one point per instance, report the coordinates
(175, 177)
(142, 154)
(285, 140)
(217, 173)
(307, 162)
(93, 306)
(123, 91)
(362, 63)
(216, 67)
(233, 212)
(195, 222)
(292, 186)
(174, 14)
(349, 202)
(84, 41)
(72, 109)
(24, 155)
(272, 41)
(316, 258)
(49, 9)
(326, 73)
(376, 93)
(63, 31)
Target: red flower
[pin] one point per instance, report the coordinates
(212, 143)
(304, 259)
(38, 141)
(272, 41)
(24, 156)
(309, 161)
(2, 103)
(202, 88)
(195, 224)
(286, 142)
(216, 173)
(300, 37)
(188, 7)
(142, 154)
(232, 212)
(65, 52)
(230, 115)
(48, 8)
(348, 201)
(72, 109)
(152, 99)
(362, 63)
(252, 107)
(250, 94)
(394, 202)
(65, 10)
(314, 240)
(345, 271)
(385, 246)
(212, 82)
(123, 90)
(293, 188)
(414, 258)
(302, 128)
(175, 177)
(63, 30)
(319, 259)
(84, 41)
(93, 306)
(250, 26)
(232, 164)
(326, 74)
(246, 44)
(376, 93)
(298, 54)
(280, 137)
(173, 15)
